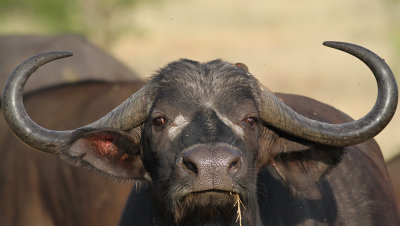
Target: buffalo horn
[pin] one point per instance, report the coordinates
(276, 114)
(131, 113)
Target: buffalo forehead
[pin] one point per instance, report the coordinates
(229, 100)
(187, 81)
(187, 88)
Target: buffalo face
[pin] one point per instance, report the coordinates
(200, 141)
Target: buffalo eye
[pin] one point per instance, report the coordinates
(250, 121)
(159, 122)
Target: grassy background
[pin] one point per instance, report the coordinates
(280, 41)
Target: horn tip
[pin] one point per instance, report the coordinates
(58, 54)
(333, 44)
(50, 56)
(63, 54)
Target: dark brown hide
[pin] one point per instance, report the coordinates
(40, 189)
(359, 180)
(393, 167)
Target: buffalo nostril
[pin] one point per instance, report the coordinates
(190, 166)
(234, 165)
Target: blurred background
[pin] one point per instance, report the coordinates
(280, 41)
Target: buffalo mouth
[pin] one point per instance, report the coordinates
(214, 192)
(209, 205)
(212, 198)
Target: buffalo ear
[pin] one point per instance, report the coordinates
(111, 152)
(298, 164)
(242, 66)
(301, 166)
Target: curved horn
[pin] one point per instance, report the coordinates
(282, 117)
(131, 113)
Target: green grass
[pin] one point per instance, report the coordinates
(58, 16)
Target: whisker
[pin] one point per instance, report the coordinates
(183, 146)
(231, 140)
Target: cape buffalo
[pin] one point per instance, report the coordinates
(212, 147)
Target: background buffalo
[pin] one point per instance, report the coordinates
(38, 189)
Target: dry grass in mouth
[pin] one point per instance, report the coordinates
(238, 203)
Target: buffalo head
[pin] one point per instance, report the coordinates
(199, 133)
